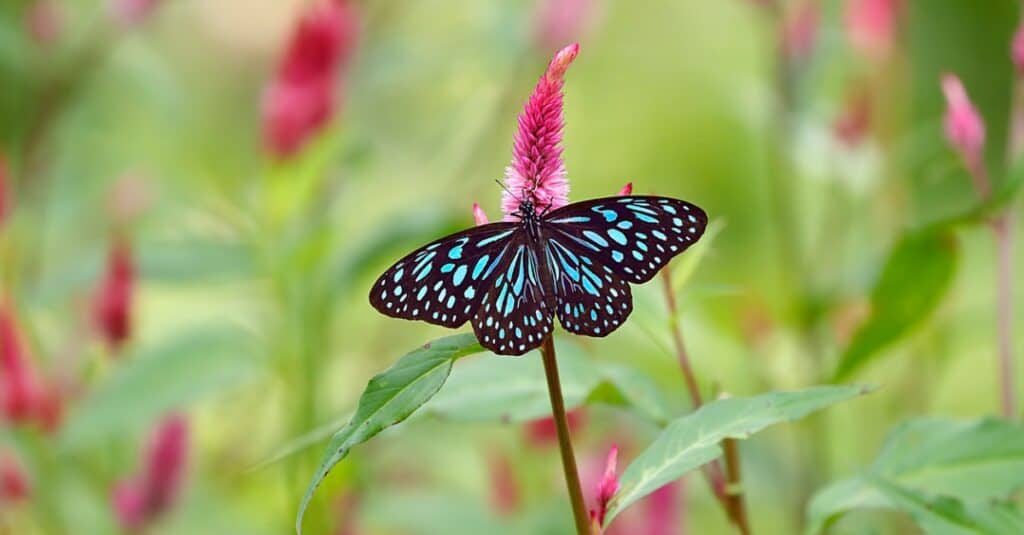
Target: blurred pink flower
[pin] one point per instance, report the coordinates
(479, 217)
(5, 190)
(300, 100)
(18, 385)
(627, 189)
(141, 500)
(132, 12)
(854, 123)
(965, 129)
(504, 485)
(1017, 50)
(663, 510)
(800, 30)
(112, 304)
(871, 26)
(45, 21)
(543, 431)
(537, 172)
(14, 485)
(607, 488)
(557, 22)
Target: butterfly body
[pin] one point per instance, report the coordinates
(511, 279)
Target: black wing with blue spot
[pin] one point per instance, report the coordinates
(590, 298)
(633, 236)
(445, 281)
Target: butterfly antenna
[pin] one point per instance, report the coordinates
(504, 187)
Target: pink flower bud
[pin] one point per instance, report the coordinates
(1017, 50)
(113, 300)
(871, 26)
(557, 22)
(139, 501)
(607, 488)
(299, 102)
(14, 485)
(800, 31)
(132, 12)
(627, 189)
(537, 172)
(18, 385)
(965, 129)
(479, 217)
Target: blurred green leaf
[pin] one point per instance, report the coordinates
(916, 276)
(630, 388)
(389, 398)
(195, 261)
(693, 440)
(975, 462)
(175, 373)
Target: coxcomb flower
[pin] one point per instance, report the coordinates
(606, 489)
(300, 100)
(140, 501)
(132, 12)
(537, 172)
(113, 300)
(871, 26)
(965, 130)
(557, 22)
(1017, 51)
(14, 484)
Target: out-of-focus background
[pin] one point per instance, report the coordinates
(195, 197)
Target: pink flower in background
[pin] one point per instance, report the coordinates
(14, 485)
(663, 510)
(800, 31)
(871, 26)
(132, 12)
(45, 21)
(854, 123)
(19, 388)
(479, 217)
(141, 500)
(113, 300)
(299, 102)
(537, 172)
(965, 129)
(557, 22)
(627, 189)
(543, 431)
(607, 488)
(1017, 50)
(504, 485)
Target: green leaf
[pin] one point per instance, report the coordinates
(693, 440)
(390, 398)
(172, 374)
(975, 462)
(630, 388)
(916, 276)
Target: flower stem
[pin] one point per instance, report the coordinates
(572, 477)
(1003, 228)
(729, 495)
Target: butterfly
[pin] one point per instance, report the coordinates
(510, 279)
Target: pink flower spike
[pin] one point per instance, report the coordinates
(113, 301)
(1017, 51)
(128, 504)
(479, 217)
(607, 488)
(19, 389)
(965, 129)
(537, 172)
(871, 26)
(627, 189)
(165, 466)
(14, 485)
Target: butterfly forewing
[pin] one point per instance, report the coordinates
(445, 281)
(634, 236)
(591, 299)
(515, 314)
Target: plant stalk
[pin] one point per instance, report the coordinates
(572, 476)
(726, 485)
(1003, 229)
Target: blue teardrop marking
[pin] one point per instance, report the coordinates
(617, 256)
(595, 237)
(659, 234)
(447, 268)
(509, 302)
(451, 301)
(642, 246)
(398, 275)
(624, 225)
(421, 293)
(647, 218)
(423, 274)
(492, 239)
(668, 208)
(589, 286)
(469, 293)
(480, 265)
(459, 276)
(641, 209)
(637, 255)
(456, 252)
(618, 236)
(593, 315)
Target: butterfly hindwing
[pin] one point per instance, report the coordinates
(445, 281)
(515, 314)
(634, 236)
(591, 299)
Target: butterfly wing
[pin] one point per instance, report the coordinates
(516, 312)
(445, 281)
(634, 236)
(591, 299)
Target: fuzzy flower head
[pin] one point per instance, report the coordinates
(607, 488)
(537, 172)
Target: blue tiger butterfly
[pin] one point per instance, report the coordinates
(511, 278)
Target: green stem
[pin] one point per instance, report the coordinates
(572, 476)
